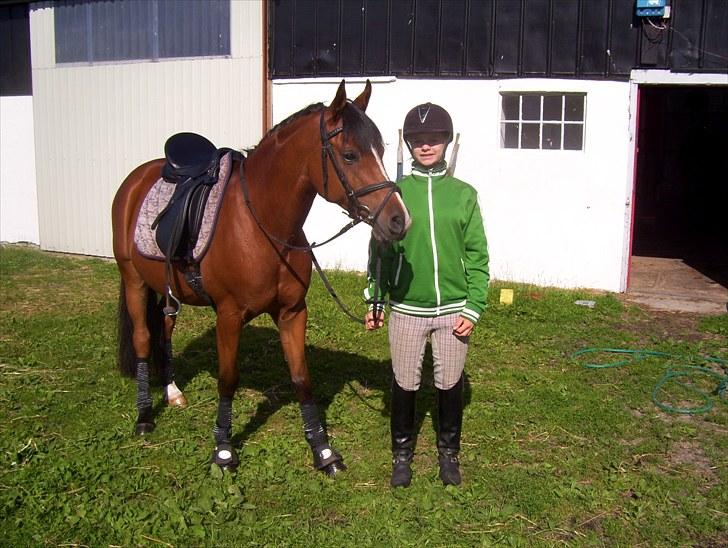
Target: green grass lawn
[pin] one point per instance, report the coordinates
(553, 452)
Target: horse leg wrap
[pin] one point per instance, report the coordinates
(144, 422)
(323, 453)
(224, 425)
(224, 455)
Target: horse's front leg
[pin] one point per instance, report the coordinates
(229, 323)
(292, 326)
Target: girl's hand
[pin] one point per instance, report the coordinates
(371, 323)
(463, 327)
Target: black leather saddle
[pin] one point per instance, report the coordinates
(193, 165)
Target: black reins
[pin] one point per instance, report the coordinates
(356, 210)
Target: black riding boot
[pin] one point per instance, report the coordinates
(402, 424)
(450, 422)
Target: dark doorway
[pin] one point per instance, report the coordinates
(681, 193)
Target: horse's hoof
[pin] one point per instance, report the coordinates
(142, 428)
(333, 469)
(177, 401)
(225, 457)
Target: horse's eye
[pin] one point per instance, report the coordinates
(350, 156)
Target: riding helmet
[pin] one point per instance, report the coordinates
(427, 118)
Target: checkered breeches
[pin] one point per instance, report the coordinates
(407, 340)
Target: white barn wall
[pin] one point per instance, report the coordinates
(18, 198)
(95, 123)
(552, 217)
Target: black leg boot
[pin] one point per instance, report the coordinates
(402, 424)
(450, 422)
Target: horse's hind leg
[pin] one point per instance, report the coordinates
(134, 308)
(292, 327)
(172, 394)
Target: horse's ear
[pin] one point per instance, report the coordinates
(363, 100)
(339, 102)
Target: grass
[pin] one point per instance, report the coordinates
(553, 453)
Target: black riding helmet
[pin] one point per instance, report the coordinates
(427, 118)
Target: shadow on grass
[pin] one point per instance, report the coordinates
(263, 369)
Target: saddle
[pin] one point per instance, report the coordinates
(193, 166)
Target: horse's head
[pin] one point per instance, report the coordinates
(353, 173)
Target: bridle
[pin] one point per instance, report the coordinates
(356, 210)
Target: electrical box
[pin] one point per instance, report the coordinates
(652, 8)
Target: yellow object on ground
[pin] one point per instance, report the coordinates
(506, 296)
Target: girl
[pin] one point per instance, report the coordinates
(436, 281)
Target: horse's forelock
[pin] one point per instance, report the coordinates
(361, 129)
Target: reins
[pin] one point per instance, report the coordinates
(356, 210)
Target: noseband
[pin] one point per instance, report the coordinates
(356, 209)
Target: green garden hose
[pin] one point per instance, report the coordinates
(674, 374)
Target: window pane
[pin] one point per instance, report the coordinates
(69, 20)
(509, 135)
(552, 107)
(510, 107)
(532, 107)
(188, 29)
(573, 137)
(530, 137)
(121, 30)
(551, 138)
(574, 108)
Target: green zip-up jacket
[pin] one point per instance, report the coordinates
(441, 265)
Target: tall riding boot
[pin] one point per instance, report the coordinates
(450, 422)
(402, 424)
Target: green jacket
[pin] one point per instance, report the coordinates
(441, 265)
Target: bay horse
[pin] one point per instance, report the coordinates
(258, 261)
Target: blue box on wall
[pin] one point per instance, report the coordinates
(651, 8)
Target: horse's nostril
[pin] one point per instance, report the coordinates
(396, 224)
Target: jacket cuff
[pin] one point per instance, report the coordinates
(471, 313)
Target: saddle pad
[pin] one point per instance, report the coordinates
(156, 200)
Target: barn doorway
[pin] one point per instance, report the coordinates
(681, 190)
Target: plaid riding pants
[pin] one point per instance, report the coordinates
(407, 340)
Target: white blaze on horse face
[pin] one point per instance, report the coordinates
(380, 163)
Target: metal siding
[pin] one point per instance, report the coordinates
(479, 38)
(715, 40)
(534, 56)
(375, 31)
(352, 38)
(622, 47)
(593, 38)
(453, 24)
(95, 123)
(327, 45)
(564, 32)
(507, 36)
(427, 19)
(401, 31)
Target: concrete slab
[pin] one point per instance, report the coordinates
(672, 285)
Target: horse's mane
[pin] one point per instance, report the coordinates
(356, 124)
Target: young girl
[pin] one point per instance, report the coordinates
(436, 281)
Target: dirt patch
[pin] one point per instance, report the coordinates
(688, 454)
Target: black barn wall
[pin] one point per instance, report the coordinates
(595, 39)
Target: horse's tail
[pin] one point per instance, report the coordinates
(127, 356)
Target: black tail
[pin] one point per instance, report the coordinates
(127, 356)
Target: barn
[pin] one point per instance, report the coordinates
(593, 130)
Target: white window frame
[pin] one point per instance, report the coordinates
(540, 121)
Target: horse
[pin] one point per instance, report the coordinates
(258, 260)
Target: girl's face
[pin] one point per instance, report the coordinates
(428, 149)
